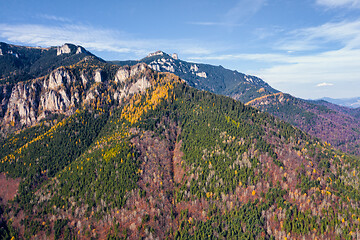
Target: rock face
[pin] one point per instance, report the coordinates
(63, 90)
(63, 49)
(69, 48)
(157, 53)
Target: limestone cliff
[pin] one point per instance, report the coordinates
(64, 90)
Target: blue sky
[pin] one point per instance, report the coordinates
(308, 48)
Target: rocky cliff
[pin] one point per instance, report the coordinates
(66, 89)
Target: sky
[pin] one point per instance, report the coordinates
(308, 48)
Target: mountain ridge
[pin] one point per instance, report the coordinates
(207, 77)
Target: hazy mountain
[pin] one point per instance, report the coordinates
(346, 102)
(337, 125)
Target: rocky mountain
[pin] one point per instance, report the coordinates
(328, 122)
(109, 152)
(18, 63)
(207, 77)
(63, 90)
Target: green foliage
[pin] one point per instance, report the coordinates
(217, 135)
(7, 231)
(58, 227)
(245, 222)
(45, 155)
(100, 177)
(15, 141)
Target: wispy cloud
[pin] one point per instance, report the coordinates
(54, 18)
(236, 15)
(345, 33)
(324, 84)
(243, 10)
(99, 39)
(96, 39)
(260, 57)
(339, 3)
(221, 24)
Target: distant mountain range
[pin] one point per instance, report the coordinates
(346, 102)
(94, 150)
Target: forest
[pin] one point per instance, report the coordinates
(179, 163)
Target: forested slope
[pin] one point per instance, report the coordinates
(171, 161)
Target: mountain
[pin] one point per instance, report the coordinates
(18, 63)
(339, 127)
(207, 77)
(141, 154)
(346, 102)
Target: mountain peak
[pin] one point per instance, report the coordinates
(161, 53)
(157, 53)
(70, 48)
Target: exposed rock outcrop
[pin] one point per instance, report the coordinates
(63, 49)
(63, 90)
(69, 48)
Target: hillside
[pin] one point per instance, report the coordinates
(329, 122)
(337, 125)
(148, 156)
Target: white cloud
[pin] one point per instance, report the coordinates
(260, 57)
(54, 18)
(41, 35)
(339, 3)
(96, 39)
(237, 15)
(324, 84)
(345, 33)
(333, 66)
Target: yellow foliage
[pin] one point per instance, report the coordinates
(263, 97)
(152, 99)
(253, 192)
